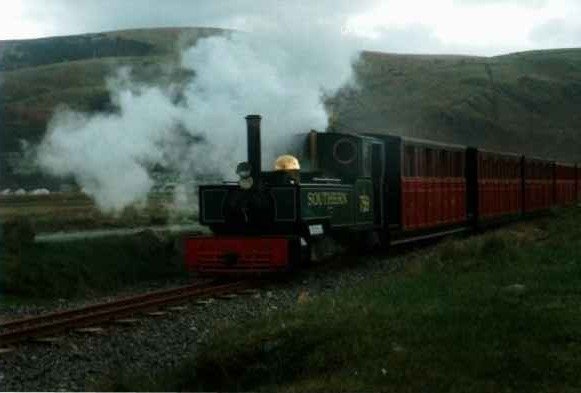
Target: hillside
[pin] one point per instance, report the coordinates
(524, 102)
(37, 75)
(16, 54)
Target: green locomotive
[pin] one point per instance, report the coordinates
(340, 195)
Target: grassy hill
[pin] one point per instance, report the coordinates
(524, 102)
(37, 75)
(16, 54)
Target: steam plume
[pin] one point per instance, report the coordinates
(198, 129)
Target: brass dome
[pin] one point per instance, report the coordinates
(286, 163)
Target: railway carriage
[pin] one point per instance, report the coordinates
(426, 187)
(497, 185)
(364, 186)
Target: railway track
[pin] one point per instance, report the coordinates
(49, 324)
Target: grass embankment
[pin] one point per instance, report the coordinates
(498, 312)
(83, 267)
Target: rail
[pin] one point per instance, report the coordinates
(52, 323)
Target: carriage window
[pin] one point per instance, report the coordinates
(458, 169)
(505, 168)
(410, 162)
(450, 169)
(421, 162)
(443, 164)
(485, 168)
(454, 166)
(429, 163)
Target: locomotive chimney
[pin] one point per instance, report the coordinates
(253, 141)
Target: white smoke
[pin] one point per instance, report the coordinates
(277, 73)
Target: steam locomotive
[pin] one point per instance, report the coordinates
(385, 189)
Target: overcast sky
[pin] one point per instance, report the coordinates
(485, 27)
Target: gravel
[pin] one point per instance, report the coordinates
(77, 360)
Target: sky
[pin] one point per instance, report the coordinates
(482, 27)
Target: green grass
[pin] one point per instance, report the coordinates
(83, 267)
(499, 312)
(75, 211)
